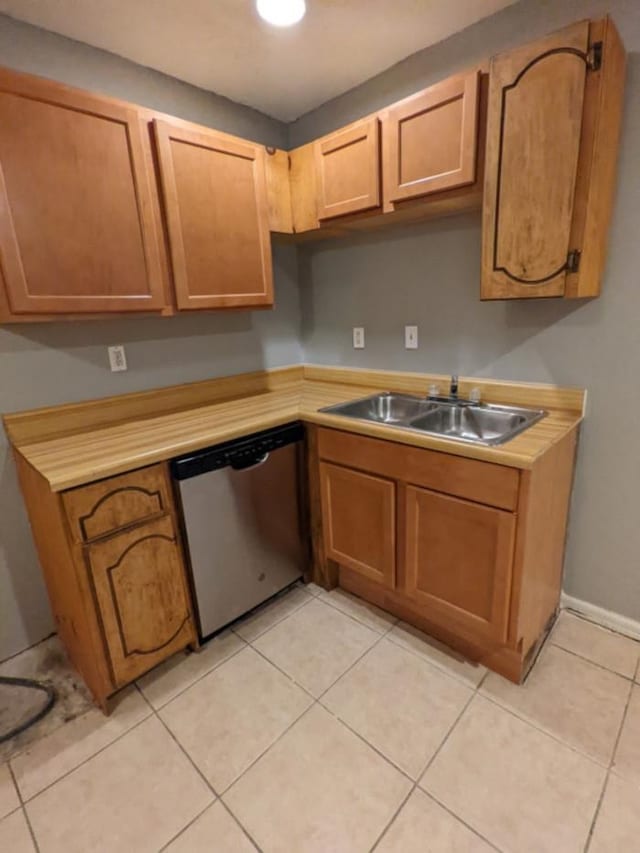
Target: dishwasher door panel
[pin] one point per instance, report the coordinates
(244, 535)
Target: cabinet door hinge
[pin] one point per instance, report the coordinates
(594, 56)
(289, 159)
(573, 260)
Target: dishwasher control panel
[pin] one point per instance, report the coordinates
(237, 453)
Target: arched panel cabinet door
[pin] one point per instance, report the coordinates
(536, 100)
(140, 587)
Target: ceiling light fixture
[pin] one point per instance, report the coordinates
(281, 13)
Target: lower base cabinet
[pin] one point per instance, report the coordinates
(469, 551)
(114, 568)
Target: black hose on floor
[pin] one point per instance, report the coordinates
(35, 685)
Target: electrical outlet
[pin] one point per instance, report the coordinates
(117, 359)
(358, 337)
(411, 337)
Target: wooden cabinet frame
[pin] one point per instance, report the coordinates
(80, 565)
(463, 88)
(497, 523)
(364, 137)
(262, 292)
(527, 528)
(156, 548)
(545, 221)
(347, 540)
(19, 298)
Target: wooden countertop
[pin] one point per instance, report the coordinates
(76, 444)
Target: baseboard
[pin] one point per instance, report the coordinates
(607, 618)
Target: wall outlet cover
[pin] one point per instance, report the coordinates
(411, 337)
(358, 337)
(117, 359)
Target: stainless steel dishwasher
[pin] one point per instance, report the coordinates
(243, 522)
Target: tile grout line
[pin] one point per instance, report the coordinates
(326, 600)
(283, 672)
(242, 619)
(474, 694)
(592, 662)
(216, 795)
(242, 827)
(390, 823)
(459, 679)
(460, 820)
(186, 826)
(23, 809)
(188, 757)
(267, 748)
(538, 728)
(420, 775)
(317, 701)
(89, 758)
(198, 679)
(314, 701)
(609, 769)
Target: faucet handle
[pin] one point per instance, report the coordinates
(454, 385)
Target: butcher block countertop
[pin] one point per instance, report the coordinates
(79, 443)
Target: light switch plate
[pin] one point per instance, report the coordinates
(411, 337)
(358, 337)
(117, 359)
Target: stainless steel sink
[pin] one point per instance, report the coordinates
(477, 423)
(385, 408)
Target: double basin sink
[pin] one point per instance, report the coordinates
(459, 420)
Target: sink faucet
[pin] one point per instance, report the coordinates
(453, 388)
(452, 397)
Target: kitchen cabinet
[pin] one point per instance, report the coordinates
(347, 165)
(458, 559)
(78, 227)
(115, 572)
(83, 217)
(552, 137)
(141, 593)
(467, 550)
(214, 191)
(430, 140)
(359, 518)
(419, 158)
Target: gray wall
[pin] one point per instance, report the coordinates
(429, 275)
(43, 364)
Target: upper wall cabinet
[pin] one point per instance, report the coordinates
(215, 200)
(552, 137)
(347, 167)
(77, 227)
(430, 140)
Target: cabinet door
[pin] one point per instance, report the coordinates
(140, 587)
(430, 140)
(458, 559)
(534, 123)
(348, 169)
(77, 229)
(101, 508)
(214, 190)
(359, 523)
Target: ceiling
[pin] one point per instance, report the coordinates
(223, 46)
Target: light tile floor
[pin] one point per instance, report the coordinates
(322, 724)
